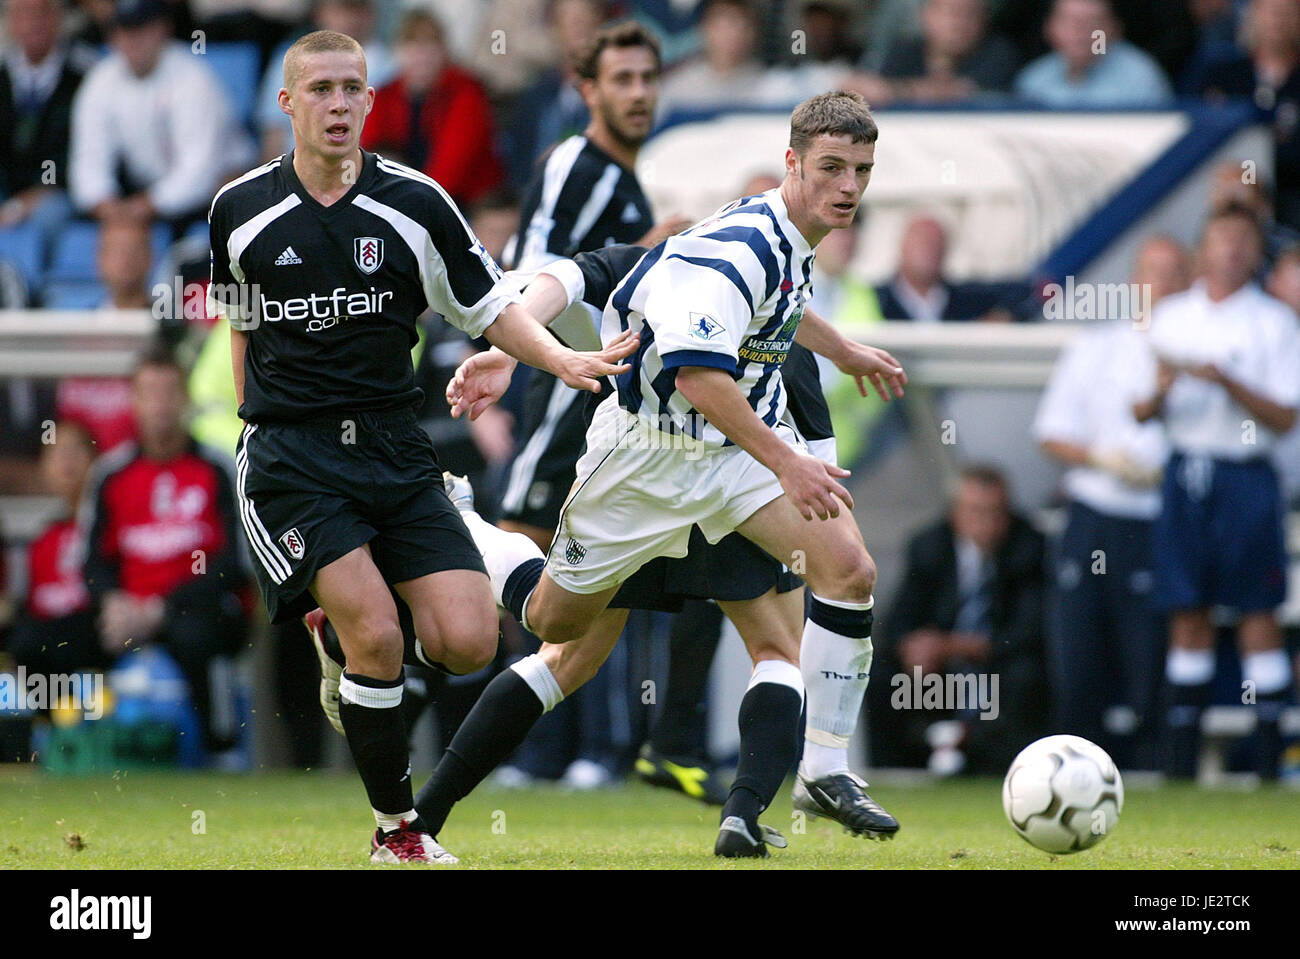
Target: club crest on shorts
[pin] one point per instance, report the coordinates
(292, 541)
(368, 252)
(575, 552)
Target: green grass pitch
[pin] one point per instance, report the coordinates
(320, 820)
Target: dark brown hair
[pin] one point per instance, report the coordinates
(836, 114)
(619, 35)
(985, 474)
(1238, 211)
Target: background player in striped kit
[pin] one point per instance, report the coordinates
(322, 261)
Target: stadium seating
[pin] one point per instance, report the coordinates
(237, 67)
(72, 280)
(21, 246)
(74, 253)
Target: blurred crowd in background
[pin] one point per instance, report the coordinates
(119, 120)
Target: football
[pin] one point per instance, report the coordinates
(1063, 794)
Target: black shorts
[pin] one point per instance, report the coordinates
(553, 436)
(312, 492)
(732, 570)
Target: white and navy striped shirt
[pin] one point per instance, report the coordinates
(728, 293)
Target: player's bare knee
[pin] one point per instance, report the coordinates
(862, 580)
(376, 636)
(852, 579)
(468, 645)
(373, 646)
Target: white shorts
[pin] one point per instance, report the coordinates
(639, 491)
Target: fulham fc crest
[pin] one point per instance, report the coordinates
(292, 541)
(368, 251)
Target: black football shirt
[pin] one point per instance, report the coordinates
(581, 200)
(329, 296)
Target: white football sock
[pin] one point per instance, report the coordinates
(534, 671)
(388, 823)
(503, 552)
(1268, 669)
(835, 660)
(1189, 667)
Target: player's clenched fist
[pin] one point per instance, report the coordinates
(810, 483)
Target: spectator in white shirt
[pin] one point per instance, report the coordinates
(1283, 283)
(727, 74)
(1224, 377)
(727, 71)
(1106, 637)
(153, 134)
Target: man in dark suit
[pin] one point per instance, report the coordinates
(38, 77)
(920, 292)
(959, 680)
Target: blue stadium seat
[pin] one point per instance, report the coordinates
(73, 295)
(21, 246)
(197, 231)
(159, 239)
(75, 253)
(236, 66)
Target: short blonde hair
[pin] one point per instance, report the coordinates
(320, 41)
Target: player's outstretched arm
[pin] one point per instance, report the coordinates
(475, 385)
(490, 371)
(866, 364)
(809, 482)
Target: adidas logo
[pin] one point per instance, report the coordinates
(288, 257)
(630, 213)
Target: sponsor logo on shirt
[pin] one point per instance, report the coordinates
(322, 311)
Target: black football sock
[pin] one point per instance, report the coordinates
(1186, 702)
(1267, 673)
(1268, 733)
(494, 728)
(520, 585)
(679, 730)
(769, 739)
(371, 710)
